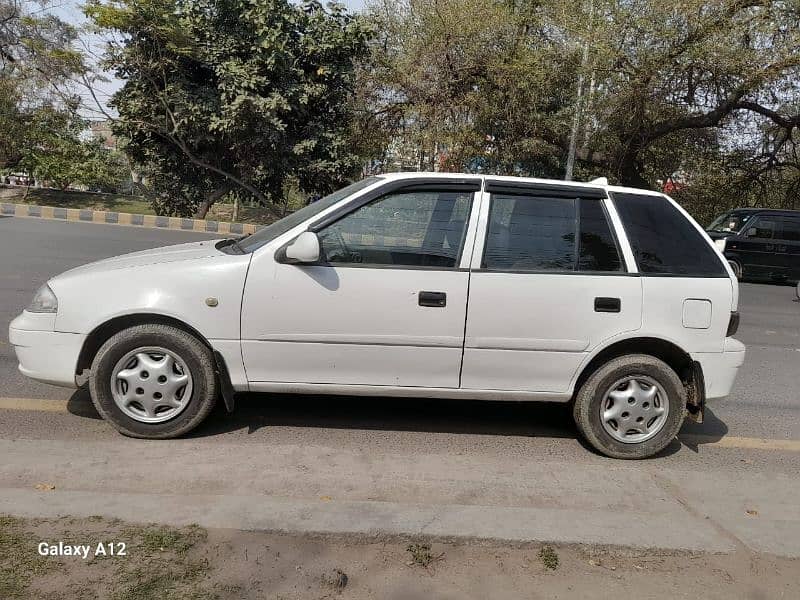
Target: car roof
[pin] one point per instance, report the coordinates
(771, 211)
(509, 178)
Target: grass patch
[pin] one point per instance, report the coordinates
(20, 563)
(168, 539)
(423, 556)
(163, 570)
(76, 199)
(549, 557)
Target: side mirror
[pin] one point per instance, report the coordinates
(304, 249)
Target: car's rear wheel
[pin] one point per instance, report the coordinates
(153, 381)
(631, 407)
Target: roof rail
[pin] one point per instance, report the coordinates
(600, 181)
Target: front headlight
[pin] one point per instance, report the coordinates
(44, 301)
(721, 243)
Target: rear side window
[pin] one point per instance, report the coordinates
(664, 242)
(533, 233)
(791, 229)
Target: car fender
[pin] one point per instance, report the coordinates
(204, 293)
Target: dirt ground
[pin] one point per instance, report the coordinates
(193, 563)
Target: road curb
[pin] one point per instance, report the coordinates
(85, 215)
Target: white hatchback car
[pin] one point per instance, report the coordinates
(416, 285)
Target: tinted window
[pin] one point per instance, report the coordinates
(421, 228)
(530, 234)
(598, 251)
(791, 229)
(763, 227)
(663, 240)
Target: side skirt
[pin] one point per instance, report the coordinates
(406, 392)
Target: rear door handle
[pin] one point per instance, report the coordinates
(435, 299)
(607, 305)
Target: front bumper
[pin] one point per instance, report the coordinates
(47, 356)
(720, 368)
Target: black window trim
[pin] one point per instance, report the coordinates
(550, 190)
(540, 192)
(417, 184)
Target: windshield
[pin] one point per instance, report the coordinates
(270, 232)
(729, 222)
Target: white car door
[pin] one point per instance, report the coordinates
(384, 306)
(548, 284)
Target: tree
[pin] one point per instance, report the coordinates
(233, 94)
(38, 62)
(459, 82)
(705, 88)
(676, 72)
(57, 151)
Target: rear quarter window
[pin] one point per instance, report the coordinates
(664, 242)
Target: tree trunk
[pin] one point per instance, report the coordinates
(210, 199)
(235, 216)
(629, 172)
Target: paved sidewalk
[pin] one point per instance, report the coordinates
(294, 488)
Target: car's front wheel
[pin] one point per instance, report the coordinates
(631, 407)
(153, 381)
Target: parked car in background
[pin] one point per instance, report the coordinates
(411, 285)
(760, 243)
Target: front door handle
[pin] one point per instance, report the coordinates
(607, 305)
(435, 299)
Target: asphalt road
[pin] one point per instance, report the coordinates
(390, 452)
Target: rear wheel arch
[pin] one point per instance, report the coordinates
(736, 265)
(674, 356)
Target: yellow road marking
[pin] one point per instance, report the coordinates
(742, 442)
(34, 404)
(60, 406)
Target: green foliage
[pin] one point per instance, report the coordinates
(549, 557)
(55, 151)
(234, 94)
(36, 47)
(37, 61)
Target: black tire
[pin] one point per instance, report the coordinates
(195, 354)
(590, 398)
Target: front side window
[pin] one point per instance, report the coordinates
(270, 232)
(414, 229)
(663, 241)
(731, 222)
(531, 233)
(763, 228)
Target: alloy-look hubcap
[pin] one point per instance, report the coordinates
(151, 385)
(634, 409)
